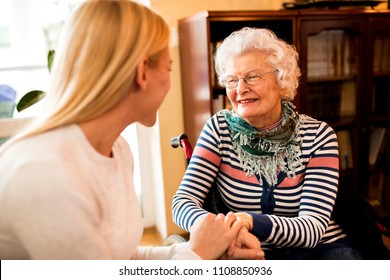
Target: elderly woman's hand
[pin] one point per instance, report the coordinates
(245, 218)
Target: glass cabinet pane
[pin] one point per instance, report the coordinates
(380, 101)
(331, 75)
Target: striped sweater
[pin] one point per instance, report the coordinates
(294, 213)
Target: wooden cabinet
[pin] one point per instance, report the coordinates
(345, 63)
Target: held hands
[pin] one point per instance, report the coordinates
(211, 235)
(224, 237)
(246, 247)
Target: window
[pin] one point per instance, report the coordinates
(28, 29)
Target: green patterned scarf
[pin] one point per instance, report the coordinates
(266, 153)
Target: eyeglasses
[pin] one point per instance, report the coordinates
(251, 78)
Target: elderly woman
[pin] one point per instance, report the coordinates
(277, 169)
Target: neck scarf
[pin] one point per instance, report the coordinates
(266, 153)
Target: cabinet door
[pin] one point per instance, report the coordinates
(331, 85)
(331, 60)
(379, 89)
(380, 65)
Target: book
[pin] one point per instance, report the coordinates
(378, 45)
(329, 54)
(375, 185)
(335, 54)
(338, 38)
(385, 59)
(376, 139)
(345, 149)
(382, 159)
(317, 56)
(348, 99)
(349, 66)
(213, 74)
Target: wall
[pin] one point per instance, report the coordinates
(171, 112)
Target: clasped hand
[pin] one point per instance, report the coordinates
(224, 237)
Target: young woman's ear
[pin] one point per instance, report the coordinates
(140, 77)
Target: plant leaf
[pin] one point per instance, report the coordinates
(29, 99)
(50, 57)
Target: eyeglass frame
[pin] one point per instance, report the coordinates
(245, 79)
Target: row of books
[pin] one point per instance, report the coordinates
(379, 158)
(214, 78)
(329, 54)
(379, 151)
(382, 54)
(331, 100)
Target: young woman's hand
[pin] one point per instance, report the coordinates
(245, 247)
(212, 235)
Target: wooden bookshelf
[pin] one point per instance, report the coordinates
(345, 63)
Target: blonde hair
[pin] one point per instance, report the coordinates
(282, 56)
(101, 44)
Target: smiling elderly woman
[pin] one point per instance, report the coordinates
(277, 169)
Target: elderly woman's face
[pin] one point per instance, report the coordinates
(259, 104)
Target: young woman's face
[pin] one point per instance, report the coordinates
(159, 82)
(259, 104)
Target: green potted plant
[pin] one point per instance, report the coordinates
(10, 126)
(34, 96)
